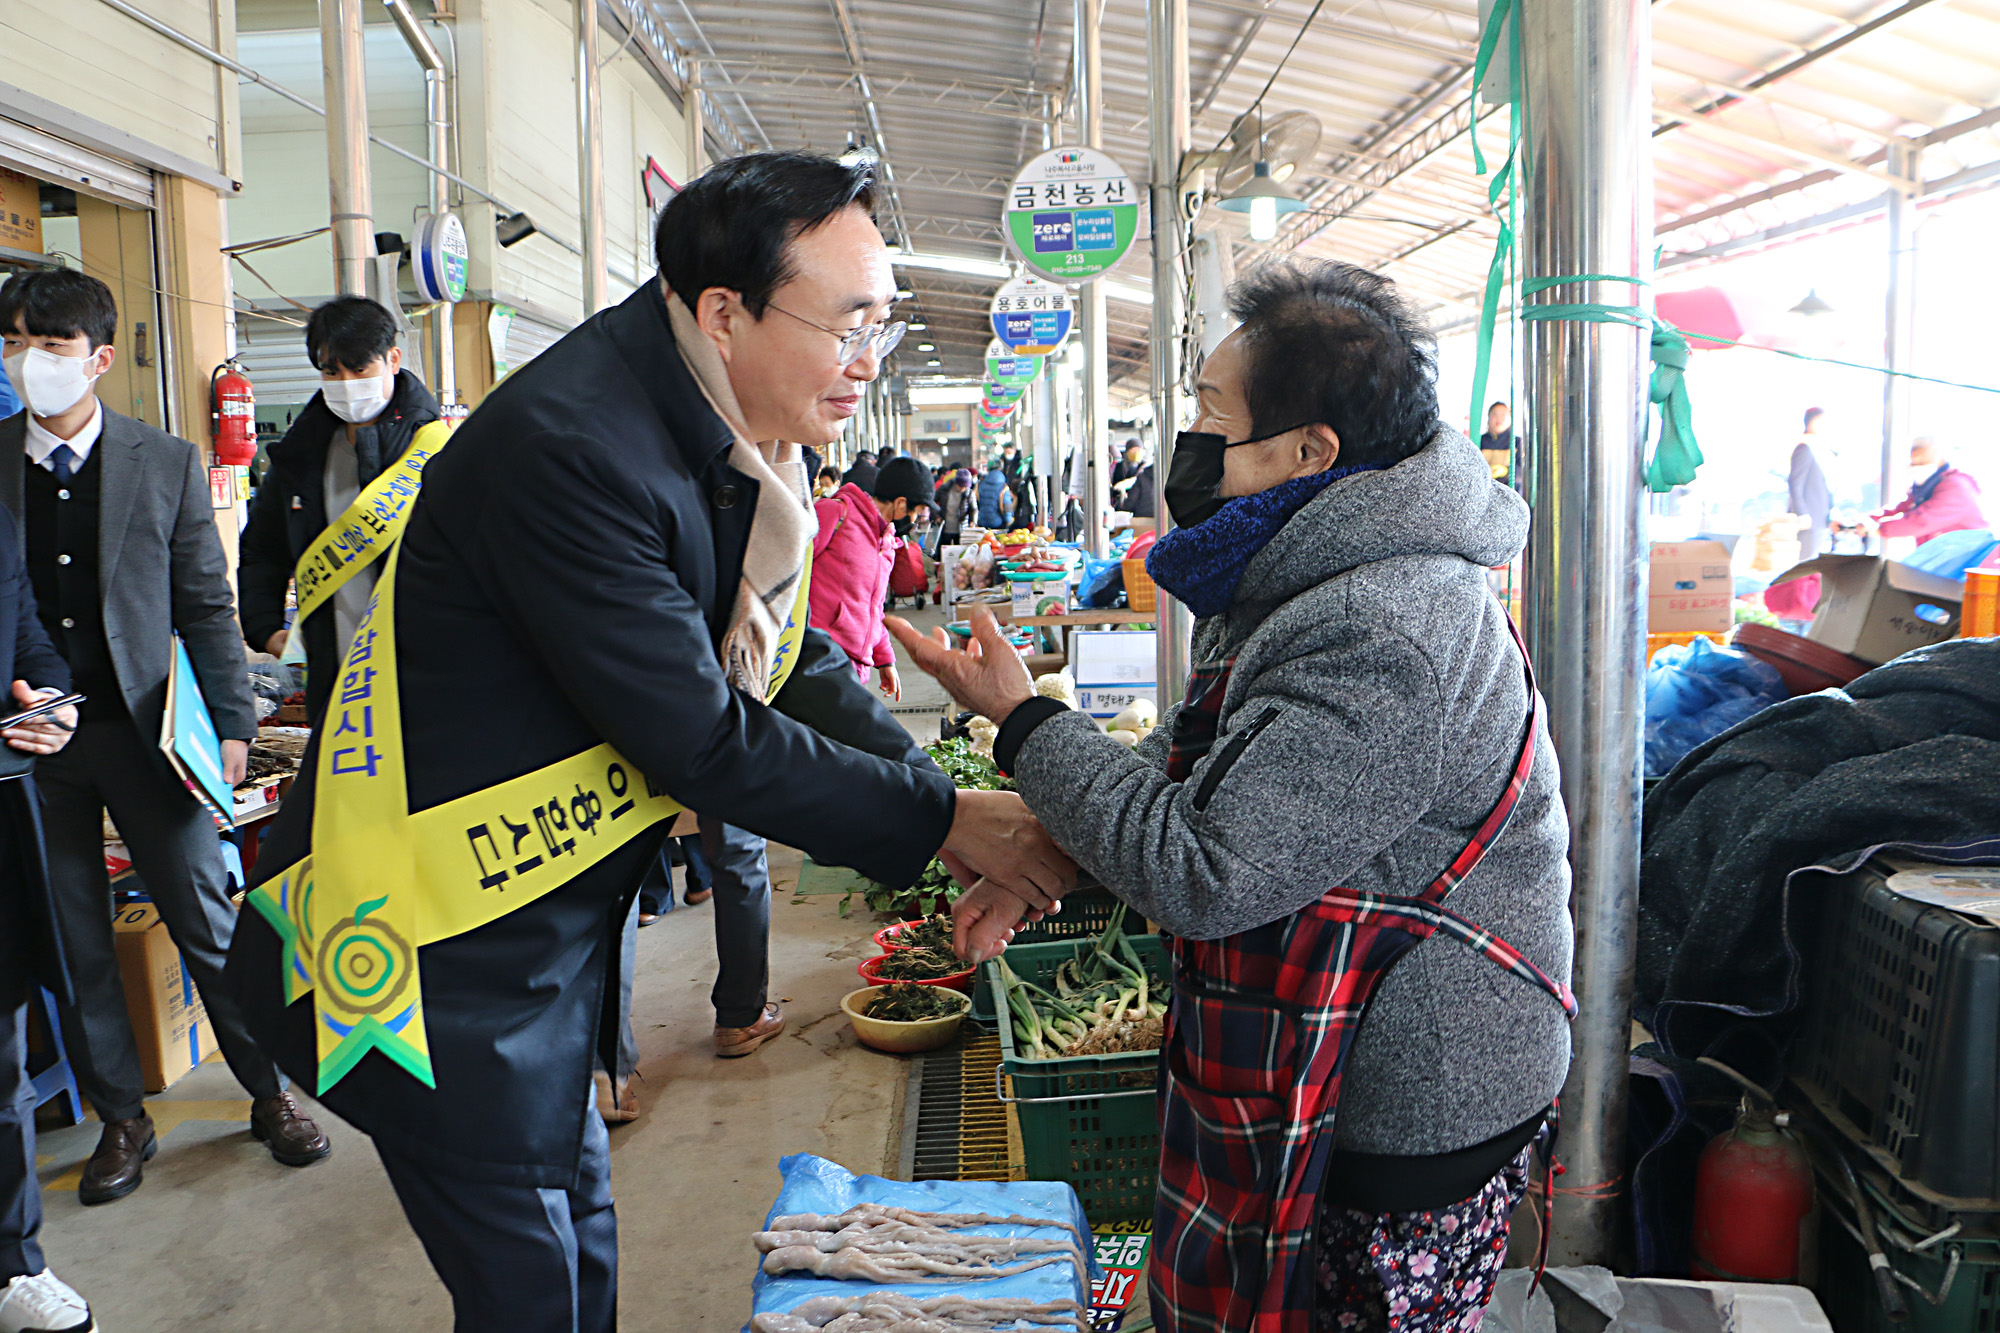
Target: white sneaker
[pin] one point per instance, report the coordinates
(43, 1303)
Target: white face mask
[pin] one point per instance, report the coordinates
(49, 382)
(356, 401)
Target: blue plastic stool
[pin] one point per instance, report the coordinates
(57, 1080)
(232, 864)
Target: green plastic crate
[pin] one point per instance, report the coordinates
(1089, 1120)
(1085, 913)
(1846, 1287)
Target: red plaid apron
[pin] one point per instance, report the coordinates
(1257, 1037)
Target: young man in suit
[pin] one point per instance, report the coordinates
(608, 552)
(32, 1298)
(122, 550)
(363, 419)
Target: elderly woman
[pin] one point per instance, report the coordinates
(1352, 827)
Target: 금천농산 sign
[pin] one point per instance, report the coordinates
(1071, 214)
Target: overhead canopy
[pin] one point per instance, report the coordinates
(1771, 117)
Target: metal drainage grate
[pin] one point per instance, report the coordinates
(957, 1129)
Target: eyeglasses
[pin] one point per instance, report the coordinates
(881, 337)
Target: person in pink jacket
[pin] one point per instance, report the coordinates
(859, 535)
(1947, 500)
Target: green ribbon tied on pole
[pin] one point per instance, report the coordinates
(1678, 456)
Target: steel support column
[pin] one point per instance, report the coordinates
(1899, 317)
(590, 158)
(697, 123)
(1093, 429)
(349, 187)
(1167, 89)
(437, 124)
(1587, 80)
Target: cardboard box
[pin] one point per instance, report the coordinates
(169, 1021)
(1877, 609)
(1690, 587)
(1043, 598)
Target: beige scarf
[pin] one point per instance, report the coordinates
(781, 531)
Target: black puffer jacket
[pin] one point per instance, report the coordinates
(290, 510)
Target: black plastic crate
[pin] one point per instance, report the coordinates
(1901, 1034)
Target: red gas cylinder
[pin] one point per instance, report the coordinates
(232, 415)
(1753, 1202)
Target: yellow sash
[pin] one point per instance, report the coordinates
(367, 527)
(381, 882)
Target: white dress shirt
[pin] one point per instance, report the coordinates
(42, 441)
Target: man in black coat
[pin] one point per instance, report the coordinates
(605, 553)
(31, 1297)
(863, 472)
(362, 421)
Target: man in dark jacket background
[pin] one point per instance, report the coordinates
(31, 954)
(604, 554)
(367, 411)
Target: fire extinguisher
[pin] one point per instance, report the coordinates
(1754, 1217)
(232, 408)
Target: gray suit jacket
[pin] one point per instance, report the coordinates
(160, 567)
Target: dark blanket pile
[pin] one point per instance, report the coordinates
(1909, 753)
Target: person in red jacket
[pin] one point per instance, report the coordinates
(858, 538)
(1947, 500)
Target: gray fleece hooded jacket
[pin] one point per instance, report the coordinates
(1385, 703)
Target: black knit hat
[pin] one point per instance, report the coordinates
(904, 477)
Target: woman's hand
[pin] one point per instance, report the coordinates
(984, 919)
(989, 677)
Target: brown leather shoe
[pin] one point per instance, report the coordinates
(696, 897)
(118, 1165)
(733, 1042)
(295, 1140)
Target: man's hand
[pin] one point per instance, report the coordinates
(994, 837)
(989, 677)
(235, 761)
(45, 735)
(891, 683)
(983, 921)
(275, 645)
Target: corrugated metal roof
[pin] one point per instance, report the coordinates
(1769, 114)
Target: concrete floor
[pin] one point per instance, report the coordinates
(222, 1239)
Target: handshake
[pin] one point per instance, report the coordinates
(1010, 868)
(1012, 871)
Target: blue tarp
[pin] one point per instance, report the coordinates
(815, 1185)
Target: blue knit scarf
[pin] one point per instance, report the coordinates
(1202, 565)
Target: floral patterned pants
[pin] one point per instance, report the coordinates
(1427, 1272)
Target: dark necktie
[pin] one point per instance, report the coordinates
(65, 461)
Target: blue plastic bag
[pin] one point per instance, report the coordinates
(1102, 584)
(1950, 554)
(1699, 691)
(815, 1185)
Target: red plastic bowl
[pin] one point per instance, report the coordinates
(885, 938)
(1805, 666)
(958, 981)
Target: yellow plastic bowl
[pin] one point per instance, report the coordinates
(902, 1038)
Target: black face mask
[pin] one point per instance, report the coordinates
(1194, 478)
(903, 526)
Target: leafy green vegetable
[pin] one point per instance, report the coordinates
(913, 1004)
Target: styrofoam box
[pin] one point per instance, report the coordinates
(1112, 657)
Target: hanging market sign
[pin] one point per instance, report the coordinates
(1031, 316)
(1071, 214)
(1004, 393)
(1003, 367)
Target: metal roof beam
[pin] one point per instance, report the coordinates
(850, 41)
(1802, 60)
(1805, 153)
(702, 37)
(1429, 140)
